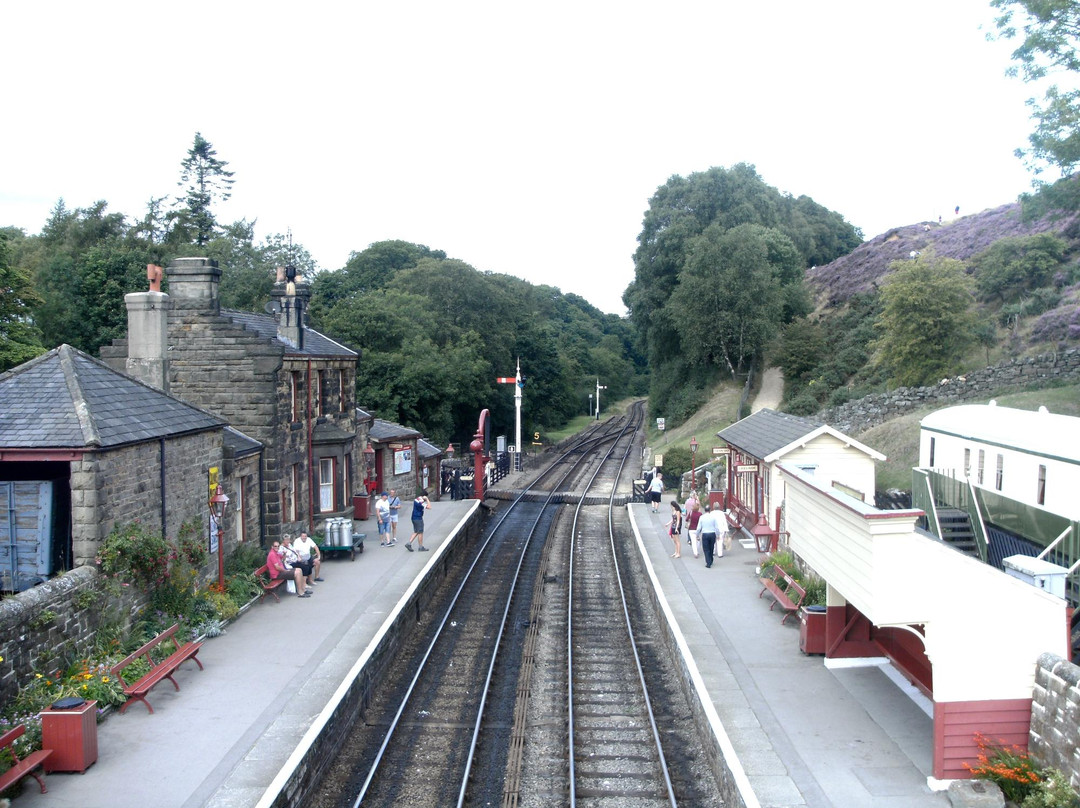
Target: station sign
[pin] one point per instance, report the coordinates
(658, 460)
(746, 469)
(721, 450)
(660, 424)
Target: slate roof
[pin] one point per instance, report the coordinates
(67, 399)
(387, 430)
(767, 431)
(427, 449)
(266, 326)
(240, 443)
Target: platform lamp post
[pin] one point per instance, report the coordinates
(451, 473)
(217, 510)
(590, 405)
(693, 464)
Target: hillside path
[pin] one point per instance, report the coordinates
(771, 392)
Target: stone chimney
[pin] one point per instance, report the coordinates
(193, 284)
(291, 295)
(148, 338)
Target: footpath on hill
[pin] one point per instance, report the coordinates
(771, 392)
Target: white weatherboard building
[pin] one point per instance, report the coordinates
(1032, 457)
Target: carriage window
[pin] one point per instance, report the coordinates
(933, 446)
(967, 462)
(1042, 486)
(1000, 470)
(982, 464)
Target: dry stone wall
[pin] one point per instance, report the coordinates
(56, 623)
(856, 417)
(1055, 716)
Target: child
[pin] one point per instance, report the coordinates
(675, 527)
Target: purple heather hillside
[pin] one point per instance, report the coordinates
(861, 269)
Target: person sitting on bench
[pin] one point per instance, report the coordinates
(283, 562)
(310, 557)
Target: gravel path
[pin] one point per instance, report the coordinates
(771, 392)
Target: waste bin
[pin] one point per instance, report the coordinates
(361, 507)
(71, 732)
(812, 629)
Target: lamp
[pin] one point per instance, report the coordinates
(693, 464)
(217, 511)
(449, 451)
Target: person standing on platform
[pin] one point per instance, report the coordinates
(674, 527)
(395, 508)
(693, 521)
(656, 491)
(382, 515)
(687, 509)
(710, 531)
(419, 505)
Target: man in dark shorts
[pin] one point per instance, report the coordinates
(419, 505)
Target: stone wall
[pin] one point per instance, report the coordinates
(1055, 716)
(120, 486)
(856, 417)
(33, 641)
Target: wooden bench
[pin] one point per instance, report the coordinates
(785, 590)
(24, 767)
(268, 584)
(158, 670)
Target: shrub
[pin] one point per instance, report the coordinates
(191, 546)
(1053, 791)
(131, 551)
(1008, 766)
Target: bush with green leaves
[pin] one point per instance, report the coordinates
(133, 552)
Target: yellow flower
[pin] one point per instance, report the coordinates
(104, 678)
(38, 675)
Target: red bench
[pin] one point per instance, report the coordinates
(24, 767)
(785, 590)
(158, 670)
(268, 584)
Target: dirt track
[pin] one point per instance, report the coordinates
(771, 392)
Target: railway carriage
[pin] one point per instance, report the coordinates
(1007, 479)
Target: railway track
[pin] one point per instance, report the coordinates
(455, 721)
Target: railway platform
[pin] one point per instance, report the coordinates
(804, 734)
(222, 739)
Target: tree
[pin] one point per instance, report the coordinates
(732, 292)
(20, 340)
(1012, 266)
(206, 179)
(1048, 31)
(928, 321)
(679, 214)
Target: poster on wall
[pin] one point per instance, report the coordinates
(402, 461)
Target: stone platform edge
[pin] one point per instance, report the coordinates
(316, 749)
(735, 786)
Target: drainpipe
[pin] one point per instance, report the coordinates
(161, 467)
(262, 498)
(311, 469)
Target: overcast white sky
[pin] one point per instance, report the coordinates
(521, 138)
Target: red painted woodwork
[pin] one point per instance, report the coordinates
(72, 735)
(1004, 721)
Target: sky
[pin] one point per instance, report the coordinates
(521, 138)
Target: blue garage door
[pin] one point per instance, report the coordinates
(25, 533)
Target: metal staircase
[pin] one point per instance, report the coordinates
(956, 530)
